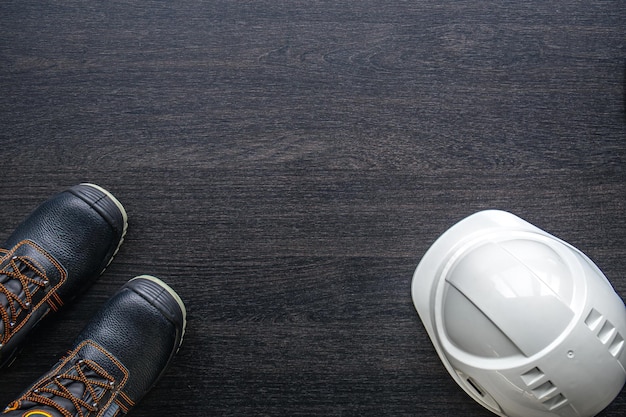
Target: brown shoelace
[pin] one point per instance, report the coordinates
(95, 380)
(27, 273)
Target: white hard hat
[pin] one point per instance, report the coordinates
(524, 322)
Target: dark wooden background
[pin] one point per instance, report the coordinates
(285, 165)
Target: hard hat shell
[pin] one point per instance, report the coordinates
(524, 322)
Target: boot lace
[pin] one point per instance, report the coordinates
(30, 277)
(60, 391)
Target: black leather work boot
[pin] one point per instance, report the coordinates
(53, 255)
(116, 359)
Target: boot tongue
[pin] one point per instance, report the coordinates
(76, 382)
(14, 286)
(79, 390)
(29, 260)
(76, 388)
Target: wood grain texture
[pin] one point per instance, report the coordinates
(285, 165)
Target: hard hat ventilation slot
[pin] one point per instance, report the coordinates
(607, 333)
(594, 319)
(476, 387)
(532, 377)
(543, 389)
(480, 394)
(617, 345)
(555, 402)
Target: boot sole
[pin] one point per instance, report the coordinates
(175, 296)
(124, 216)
